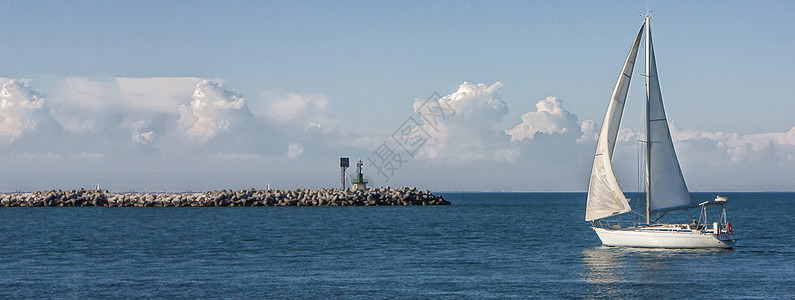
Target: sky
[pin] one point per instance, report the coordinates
(445, 96)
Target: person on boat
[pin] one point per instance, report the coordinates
(695, 225)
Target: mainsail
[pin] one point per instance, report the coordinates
(605, 197)
(667, 188)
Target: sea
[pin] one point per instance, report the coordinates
(483, 246)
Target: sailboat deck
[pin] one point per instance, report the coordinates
(669, 228)
(659, 227)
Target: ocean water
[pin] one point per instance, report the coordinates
(485, 245)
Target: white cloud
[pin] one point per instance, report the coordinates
(292, 106)
(142, 133)
(460, 125)
(294, 150)
(157, 94)
(144, 138)
(478, 102)
(105, 106)
(549, 118)
(590, 132)
(313, 127)
(734, 148)
(155, 112)
(628, 135)
(104, 94)
(23, 111)
(302, 117)
(213, 109)
(779, 146)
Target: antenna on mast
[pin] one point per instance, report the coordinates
(648, 12)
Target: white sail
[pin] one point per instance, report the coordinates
(605, 197)
(667, 188)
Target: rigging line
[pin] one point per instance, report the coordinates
(660, 217)
(636, 204)
(642, 157)
(638, 164)
(638, 157)
(637, 214)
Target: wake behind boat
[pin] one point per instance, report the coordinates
(665, 186)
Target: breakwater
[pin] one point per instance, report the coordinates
(385, 196)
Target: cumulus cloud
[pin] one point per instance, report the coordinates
(143, 111)
(106, 106)
(302, 117)
(23, 111)
(293, 106)
(479, 102)
(213, 109)
(136, 127)
(90, 128)
(460, 125)
(590, 131)
(549, 118)
(156, 94)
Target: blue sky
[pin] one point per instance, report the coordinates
(108, 91)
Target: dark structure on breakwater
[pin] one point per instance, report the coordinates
(385, 196)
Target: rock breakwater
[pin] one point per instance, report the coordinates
(385, 196)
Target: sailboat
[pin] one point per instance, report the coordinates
(665, 187)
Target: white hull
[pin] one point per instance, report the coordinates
(650, 238)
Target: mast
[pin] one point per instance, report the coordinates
(648, 115)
